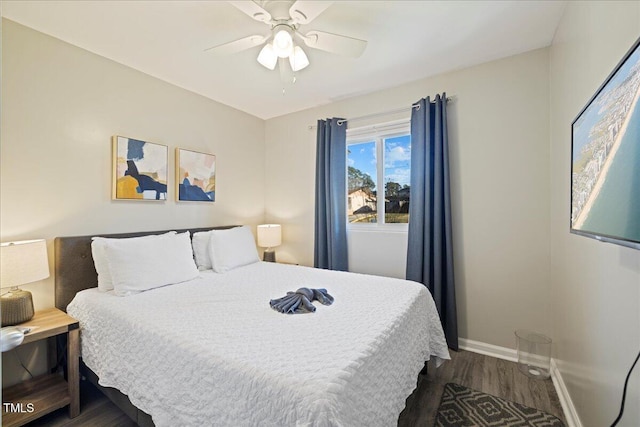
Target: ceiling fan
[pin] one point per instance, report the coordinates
(285, 17)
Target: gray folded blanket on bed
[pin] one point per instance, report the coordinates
(300, 301)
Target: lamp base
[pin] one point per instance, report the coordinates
(269, 255)
(17, 307)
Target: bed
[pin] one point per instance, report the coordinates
(211, 351)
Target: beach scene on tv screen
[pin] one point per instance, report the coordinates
(605, 197)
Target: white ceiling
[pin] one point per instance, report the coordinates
(407, 41)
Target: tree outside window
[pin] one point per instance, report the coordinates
(382, 162)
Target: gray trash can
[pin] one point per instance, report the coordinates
(534, 354)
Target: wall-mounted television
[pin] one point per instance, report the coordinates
(605, 158)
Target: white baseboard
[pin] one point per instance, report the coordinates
(510, 354)
(570, 413)
(498, 352)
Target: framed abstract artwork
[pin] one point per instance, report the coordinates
(140, 169)
(195, 176)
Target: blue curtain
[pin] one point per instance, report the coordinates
(430, 248)
(330, 246)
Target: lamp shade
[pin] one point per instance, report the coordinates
(23, 262)
(298, 59)
(269, 235)
(283, 43)
(267, 57)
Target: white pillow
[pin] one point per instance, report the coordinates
(105, 282)
(232, 248)
(143, 264)
(200, 243)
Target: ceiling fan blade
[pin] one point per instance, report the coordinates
(303, 12)
(238, 45)
(335, 43)
(252, 9)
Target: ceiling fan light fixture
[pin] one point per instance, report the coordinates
(283, 43)
(284, 19)
(267, 57)
(298, 59)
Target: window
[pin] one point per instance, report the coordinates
(378, 162)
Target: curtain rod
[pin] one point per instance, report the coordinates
(382, 113)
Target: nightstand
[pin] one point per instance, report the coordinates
(38, 396)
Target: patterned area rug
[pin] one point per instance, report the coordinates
(461, 406)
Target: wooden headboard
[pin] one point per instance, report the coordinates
(74, 269)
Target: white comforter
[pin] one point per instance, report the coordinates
(211, 351)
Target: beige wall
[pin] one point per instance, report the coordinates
(595, 286)
(60, 107)
(499, 137)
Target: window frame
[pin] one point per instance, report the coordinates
(377, 133)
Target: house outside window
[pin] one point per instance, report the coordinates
(378, 175)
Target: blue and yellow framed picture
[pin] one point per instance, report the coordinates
(140, 169)
(195, 176)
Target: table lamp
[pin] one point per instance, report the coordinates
(20, 263)
(269, 236)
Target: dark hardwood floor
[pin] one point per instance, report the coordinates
(487, 374)
(95, 411)
(484, 373)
